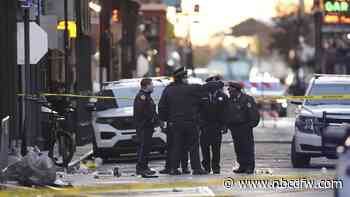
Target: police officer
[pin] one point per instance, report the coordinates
(212, 125)
(184, 158)
(145, 118)
(242, 116)
(179, 107)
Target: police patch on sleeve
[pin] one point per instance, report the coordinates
(143, 97)
(249, 105)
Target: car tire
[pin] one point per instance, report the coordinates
(299, 160)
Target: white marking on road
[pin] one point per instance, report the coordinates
(207, 190)
(165, 192)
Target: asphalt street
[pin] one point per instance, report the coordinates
(272, 164)
(272, 155)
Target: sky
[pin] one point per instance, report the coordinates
(218, 15)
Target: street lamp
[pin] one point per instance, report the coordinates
(95, 7)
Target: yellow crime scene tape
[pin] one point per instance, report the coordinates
(130, 187)
(260, 97)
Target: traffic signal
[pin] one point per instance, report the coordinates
(115, 16)
(196, 8)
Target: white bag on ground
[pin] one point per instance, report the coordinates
(33, 169)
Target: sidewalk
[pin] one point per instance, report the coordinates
(165, 185)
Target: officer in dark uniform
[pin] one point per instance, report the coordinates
(145, 117)
(179, 107)
(212, 125)
(184, 158)
(242, 116)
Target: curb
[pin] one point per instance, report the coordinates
(149, 185)
(264, 142)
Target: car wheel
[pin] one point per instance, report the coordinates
(299, 160)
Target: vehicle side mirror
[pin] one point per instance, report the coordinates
(90, 106)
(296, 102)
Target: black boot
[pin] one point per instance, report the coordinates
(175, 172)
(249, 171)
(216, 171)
(199, 172)
(164, 171)
(186, 171)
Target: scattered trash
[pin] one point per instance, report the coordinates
(60, 175)
(91, 165)
(98, 162)
(108, 173)
(116, 172)
(177, 190)
(263, 171)
(235, 165)
(35, 169)
(340, 149)
(86, 167)
(83, 169)
(60, 183)
(149, 176)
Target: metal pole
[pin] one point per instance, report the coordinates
(66, 46)
(25, 82)
(38, 11)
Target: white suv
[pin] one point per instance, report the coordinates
(319, 122)
(113, 123)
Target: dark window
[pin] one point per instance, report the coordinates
(104, 104)
(329, 89)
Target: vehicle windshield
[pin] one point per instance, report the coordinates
(238, 70)
(329, 89)
(268, 86)
(126, 95)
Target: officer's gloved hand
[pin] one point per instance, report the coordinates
(224, 130)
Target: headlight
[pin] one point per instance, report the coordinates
(283, 102)
(105, 120)
(306, 124)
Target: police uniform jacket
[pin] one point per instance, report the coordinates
(144, 110)
(212, 108)
(181, 102)
(242, 111)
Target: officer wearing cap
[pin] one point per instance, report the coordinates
(179, 107)
(145, 117)
(212, 118)
(242, 116)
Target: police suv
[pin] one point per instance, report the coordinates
(320, 124)
(113, 121)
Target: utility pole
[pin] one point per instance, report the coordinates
(26, 85)
(66, 47)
